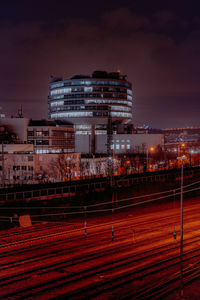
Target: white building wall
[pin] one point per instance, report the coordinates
(16, 148)
(82, 143)
(122, 143)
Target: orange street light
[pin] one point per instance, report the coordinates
(150, 149)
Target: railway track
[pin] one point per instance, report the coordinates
(105, 283)
(57, 261)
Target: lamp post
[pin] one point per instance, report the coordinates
(2, 158)
(181, 228)
(181, 225)
(181, 199)
(151, 149)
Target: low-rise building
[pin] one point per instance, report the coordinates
(17, 164)
(20, 165)
(49, 137)
(57, 167)
(120, 143)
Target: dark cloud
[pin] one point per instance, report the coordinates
(159, 51)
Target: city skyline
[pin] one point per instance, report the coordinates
(156, 45)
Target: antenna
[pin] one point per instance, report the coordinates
(20, 112)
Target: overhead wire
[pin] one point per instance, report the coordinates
(102, 203)
(116, 208)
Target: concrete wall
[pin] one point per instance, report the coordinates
(82, 143)
(16, 148)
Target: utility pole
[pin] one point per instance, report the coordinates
(109, 143)
(2, 159)
(181, 229)
(181, 238)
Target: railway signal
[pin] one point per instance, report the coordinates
(112, 233)
(174, 233)
(85, 229)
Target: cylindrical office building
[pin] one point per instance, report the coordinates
(89, 100)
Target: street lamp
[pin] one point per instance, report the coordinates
(181, 225)
(150, 149)
(181, 147)
(2, 159)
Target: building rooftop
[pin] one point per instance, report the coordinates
(49, 123)
(95, 74)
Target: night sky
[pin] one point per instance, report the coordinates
(156, 43)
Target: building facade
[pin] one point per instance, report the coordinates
(88, 101)
(120, 143)
(19, 165)
(47, 137)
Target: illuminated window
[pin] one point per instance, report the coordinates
(71, 114)
(83, 126)
(56, 103)
(129, 92)
(40, 151)
(88, 89)
(120, 114)
(122, 147)
(122, 108)
(117, 146)
(56, 85)
(108, 101)
(58, 97)
(38, 133)
(128, 146)
(61, 91)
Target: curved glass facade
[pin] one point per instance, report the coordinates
(89, 100)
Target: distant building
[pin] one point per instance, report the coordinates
(17, 164)
(49, 137)
(57, 167)
(87, 101)
(22, 166)
(120, 143)
(27, 145)
(46, 136)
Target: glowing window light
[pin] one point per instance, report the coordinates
(122, 108)
(120, 114)
(57, 103)
(71, 114)
(56, 85)
(88, 89)
(61, 91)
(58, 97)
(107, 101)
(129, 92)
